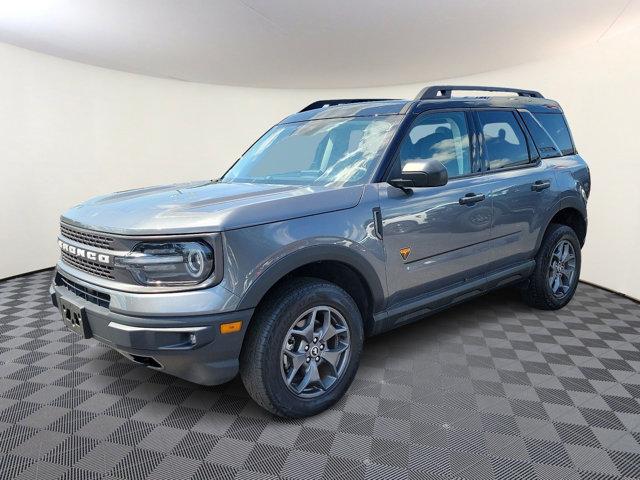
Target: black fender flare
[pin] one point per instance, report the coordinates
(311, 254)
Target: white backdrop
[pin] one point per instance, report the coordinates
(69, 131)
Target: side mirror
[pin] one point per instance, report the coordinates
(421, 173)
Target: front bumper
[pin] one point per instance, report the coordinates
(187, 346)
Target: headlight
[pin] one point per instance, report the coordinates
(168, 263)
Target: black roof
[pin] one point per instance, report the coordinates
(429, 98)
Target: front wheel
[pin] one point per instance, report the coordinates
(555, 277)
(303, 347)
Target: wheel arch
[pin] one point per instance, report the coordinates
(571, 212)
(338, 264)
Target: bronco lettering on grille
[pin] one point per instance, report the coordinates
(83, 253)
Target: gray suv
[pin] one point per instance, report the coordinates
(344, 220)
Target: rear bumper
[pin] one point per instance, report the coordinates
(187, 346)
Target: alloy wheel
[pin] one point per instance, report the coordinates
(315, 351)
(562, 269)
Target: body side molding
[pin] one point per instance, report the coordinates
(432, 302)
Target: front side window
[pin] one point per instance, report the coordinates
(443, 137)
(504, 141)
(328, 152)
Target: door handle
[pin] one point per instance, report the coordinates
(540, 185)
(471, 198)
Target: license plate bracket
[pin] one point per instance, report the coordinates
(74, 317)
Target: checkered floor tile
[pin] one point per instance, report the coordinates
(489, 389)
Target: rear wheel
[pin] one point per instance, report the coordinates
(555, 278)
(303, 349)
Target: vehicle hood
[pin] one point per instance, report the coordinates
(206, 207)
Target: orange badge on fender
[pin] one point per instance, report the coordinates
(405, 252)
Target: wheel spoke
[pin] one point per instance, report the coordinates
(306, 332)
(326, 329)
(329, 330)
(333, 355)
(311, 377)
(297, 359)
(568, 276)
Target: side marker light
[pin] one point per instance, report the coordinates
(231, 327)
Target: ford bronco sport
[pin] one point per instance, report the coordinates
(346, 219)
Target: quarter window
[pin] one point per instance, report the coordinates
(557, 129)
(546, 145)
(504, 141)
(443, 137)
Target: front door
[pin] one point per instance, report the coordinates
(437, 236)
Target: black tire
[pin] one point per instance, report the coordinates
(537, 292)
(261, 358)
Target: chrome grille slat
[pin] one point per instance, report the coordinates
(94, 268)
(93, 296)
(87, 238)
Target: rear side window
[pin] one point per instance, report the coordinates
(505, 142)
(556, 127)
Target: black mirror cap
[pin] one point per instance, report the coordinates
(425, 173)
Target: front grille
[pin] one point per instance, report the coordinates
(94, 268)
(87, 238)
(90, 295)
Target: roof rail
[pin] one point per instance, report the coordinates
(330, 103)
(444, 91)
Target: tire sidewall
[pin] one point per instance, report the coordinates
(285, 314)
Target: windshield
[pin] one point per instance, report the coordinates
(328, 152)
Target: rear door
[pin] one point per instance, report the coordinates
(520, 185)
(437, 236)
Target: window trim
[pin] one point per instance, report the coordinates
(533, 161)
(471, 133)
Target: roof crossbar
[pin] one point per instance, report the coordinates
(444, 91)
(330, 103)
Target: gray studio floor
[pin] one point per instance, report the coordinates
(490, 389)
